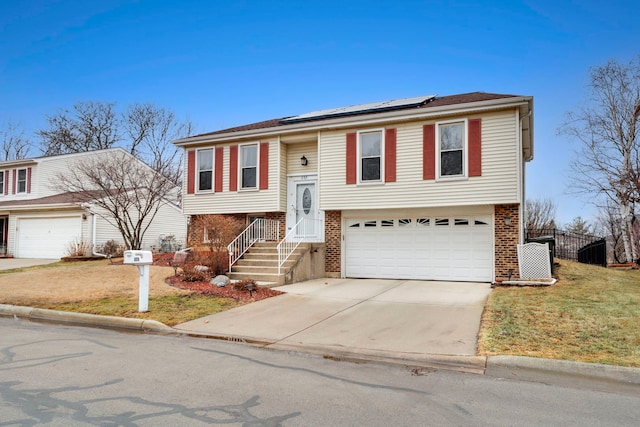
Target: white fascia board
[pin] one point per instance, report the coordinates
(42, 207)
(361, 120)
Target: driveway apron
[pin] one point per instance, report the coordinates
(403, 316)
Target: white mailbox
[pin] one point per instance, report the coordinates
(138, 257)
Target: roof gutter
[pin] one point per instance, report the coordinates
(350, 121)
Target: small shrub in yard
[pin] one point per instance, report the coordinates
(243, 285)
(112, 248)
(196, 269)
(79, 248)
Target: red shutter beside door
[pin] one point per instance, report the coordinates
(264, 166)
(218, 171)
(429, 152)
(390, 155)
(352, 160)
(191, 171)
(233, 168)
(475, 147)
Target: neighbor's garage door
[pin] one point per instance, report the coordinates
(426, 248)
(47, 237)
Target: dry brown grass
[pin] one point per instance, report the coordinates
(591, 315)
(80, 281)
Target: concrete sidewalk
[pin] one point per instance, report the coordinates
(383, 318)
(11, 263)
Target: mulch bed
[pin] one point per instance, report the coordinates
(225, 292)
(166, 260)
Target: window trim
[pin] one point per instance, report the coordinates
(240, 166)
(26, 179)
(213, 163)
(465, 150)
(359, 134)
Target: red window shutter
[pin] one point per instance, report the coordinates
(264, 166)
(6, 182)
(475, 147)
(429, 152)
(13, 183)
(390, 155)
(28, 180)
(191, 172)
(233, 168)
(352, 158)
(218, 171)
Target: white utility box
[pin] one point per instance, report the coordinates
(138, 257)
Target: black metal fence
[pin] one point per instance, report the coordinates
(583, 248)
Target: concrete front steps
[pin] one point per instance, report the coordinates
(260, 263)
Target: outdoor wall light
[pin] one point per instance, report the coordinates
(304, 161)
(507, 220)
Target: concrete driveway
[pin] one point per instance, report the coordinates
(11, 263)
(360, 315)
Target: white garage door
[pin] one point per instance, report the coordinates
(47, 237)
(455, 248)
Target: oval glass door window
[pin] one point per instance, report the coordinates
(306, 201)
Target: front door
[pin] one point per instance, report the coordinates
(302, 198)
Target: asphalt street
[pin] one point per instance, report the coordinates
(68, 376)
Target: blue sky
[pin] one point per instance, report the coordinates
(227, 63)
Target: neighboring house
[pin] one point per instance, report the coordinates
(36, 221)
(421, 188)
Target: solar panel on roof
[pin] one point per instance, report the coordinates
(395, 104)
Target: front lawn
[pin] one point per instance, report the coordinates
(591, 315)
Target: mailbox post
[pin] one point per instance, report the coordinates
(142, 260)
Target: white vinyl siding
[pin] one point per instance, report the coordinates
(168, 221)
(296, 151)
(498, 183)
(238, 201)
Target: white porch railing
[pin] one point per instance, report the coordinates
(259, 230)
(304, 229)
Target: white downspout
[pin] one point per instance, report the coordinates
(87, 207)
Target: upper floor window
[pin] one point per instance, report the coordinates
(249, 166)
(21, 181)
(2, 183)
(205, 170)
(451, 146)
(370, 155)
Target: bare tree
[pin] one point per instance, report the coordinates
(126, 192)
(608, 160)
(150, 130)
(144, 130)
(539, 216)
(89, 126)
(609, 224)
(13, 144)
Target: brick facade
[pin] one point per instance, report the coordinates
(332, 236)
(279, 216)
(507, 237)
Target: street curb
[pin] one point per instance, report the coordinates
(459, 363)
(550, 371)
(82, 319)
(565, 372)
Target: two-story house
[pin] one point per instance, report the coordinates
(38, 221)
(421, 188)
